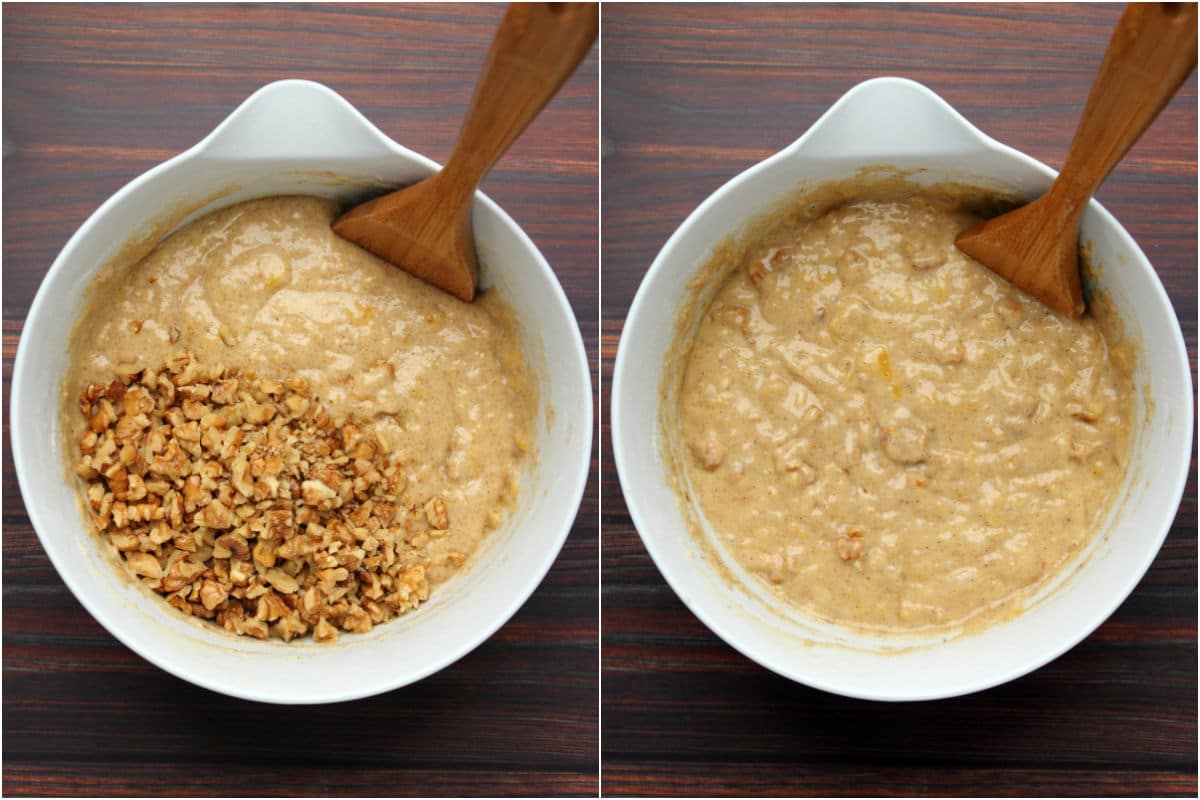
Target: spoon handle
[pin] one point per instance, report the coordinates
(1152, 51)
(536, 48)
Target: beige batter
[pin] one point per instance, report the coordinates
(891, 435)
(265, 286)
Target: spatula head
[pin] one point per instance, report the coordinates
(1036, 249)
(417, 230)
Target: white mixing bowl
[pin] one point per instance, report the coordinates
(299, 137)
(902, 124)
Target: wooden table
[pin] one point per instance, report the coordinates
(94, 96)
(691, 97)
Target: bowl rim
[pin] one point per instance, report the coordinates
(703, 606)
(117, 622)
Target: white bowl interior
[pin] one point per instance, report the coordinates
(905, 126)
(300, 137)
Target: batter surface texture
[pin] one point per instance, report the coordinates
(890, 435)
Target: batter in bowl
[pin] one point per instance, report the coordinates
(283, 433)
(889, 435)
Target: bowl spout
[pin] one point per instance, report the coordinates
(896, 116)
(290, 120)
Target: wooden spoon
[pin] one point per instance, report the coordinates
(1036, 246)
(426, 228)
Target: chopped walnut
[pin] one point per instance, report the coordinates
(212, 594)
(324, 632)
(242, 501)
(437, 514)
(144, 564)
(850, 545)
(215, 515)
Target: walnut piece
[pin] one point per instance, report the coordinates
(437, 514)
(850, 545)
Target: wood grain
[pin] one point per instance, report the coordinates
(93, 96)
(693, 95)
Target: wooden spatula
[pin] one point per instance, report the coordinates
(426, 228)
(1036, 246)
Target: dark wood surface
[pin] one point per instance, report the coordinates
(95, 95)
(692, 96)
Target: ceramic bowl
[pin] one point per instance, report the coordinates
(903, 125)
(301, 137)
